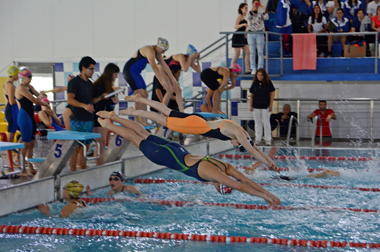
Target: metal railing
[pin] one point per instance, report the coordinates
(266, 33)
(316, 118)
(317, 34)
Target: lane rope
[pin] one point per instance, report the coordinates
(179, 203)
(160, 181)
(177, 236)
(276, 157)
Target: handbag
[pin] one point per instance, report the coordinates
(331, 26)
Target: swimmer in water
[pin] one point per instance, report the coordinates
(196, 124)
(116, 183)
(164, 152)
(71, 193)
(251, 170)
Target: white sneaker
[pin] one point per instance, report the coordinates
(257, 142)
(268, 143)
(253, 71)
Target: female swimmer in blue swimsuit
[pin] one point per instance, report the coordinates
(174, 156)
(133, 68)
(25, 98)
(196, 124)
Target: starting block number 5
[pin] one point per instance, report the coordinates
(58, 151)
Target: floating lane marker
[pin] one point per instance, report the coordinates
(187, 237)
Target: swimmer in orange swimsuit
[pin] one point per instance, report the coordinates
(196, 124)
(172, 155)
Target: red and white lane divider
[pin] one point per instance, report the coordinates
(176, 236)
(160, 181)
(178, 203)
(328, 158)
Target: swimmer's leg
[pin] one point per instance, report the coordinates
(160, 119)
(157, 105)
(128, 133)
(324, 174)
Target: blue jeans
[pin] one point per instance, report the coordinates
(256, 40)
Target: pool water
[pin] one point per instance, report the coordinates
(128, 213)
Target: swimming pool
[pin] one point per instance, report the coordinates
(312, 218)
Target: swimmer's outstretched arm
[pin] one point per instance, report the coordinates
(253, 150)
(243, 184)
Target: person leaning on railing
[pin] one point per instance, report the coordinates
(362, 23)
(325, 115)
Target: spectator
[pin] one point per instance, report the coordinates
(302, 6)
(79, 97)
(47, 118)
(351, 7)
(376, 20)
(25, 94)
(71, 193)
(134, 66)
(102, 86)
(342, 24)
(239, 41)
(362, 23)
(283, 119)
(372, 8)
(318, 24)
(116, 183)
(261, 103)
(332, 6)
(256, 18)
(325, 115)
(323, 7)
(282, 21)
(216, 78)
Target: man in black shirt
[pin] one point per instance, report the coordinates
(79, 96)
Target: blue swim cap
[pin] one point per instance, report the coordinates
(191, 49)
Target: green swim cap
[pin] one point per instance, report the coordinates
(13, 70)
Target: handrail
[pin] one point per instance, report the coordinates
(315, 128)
(290, 129)
(266, 46)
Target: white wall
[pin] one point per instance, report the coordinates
(64, 31)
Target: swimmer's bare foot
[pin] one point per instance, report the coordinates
(25, 174)
(127, 111)
(221, 112)
(134, 98)
(106, 114)
(105, 123)
(32, 171)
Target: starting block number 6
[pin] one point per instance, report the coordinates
(119, 140)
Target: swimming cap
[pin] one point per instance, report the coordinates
(191, 49)
(45, 100)
(13, 70)
(235, 68)
(117, 174)
(25, 72)
(74, 188)
(224, 189)
(163, 43)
